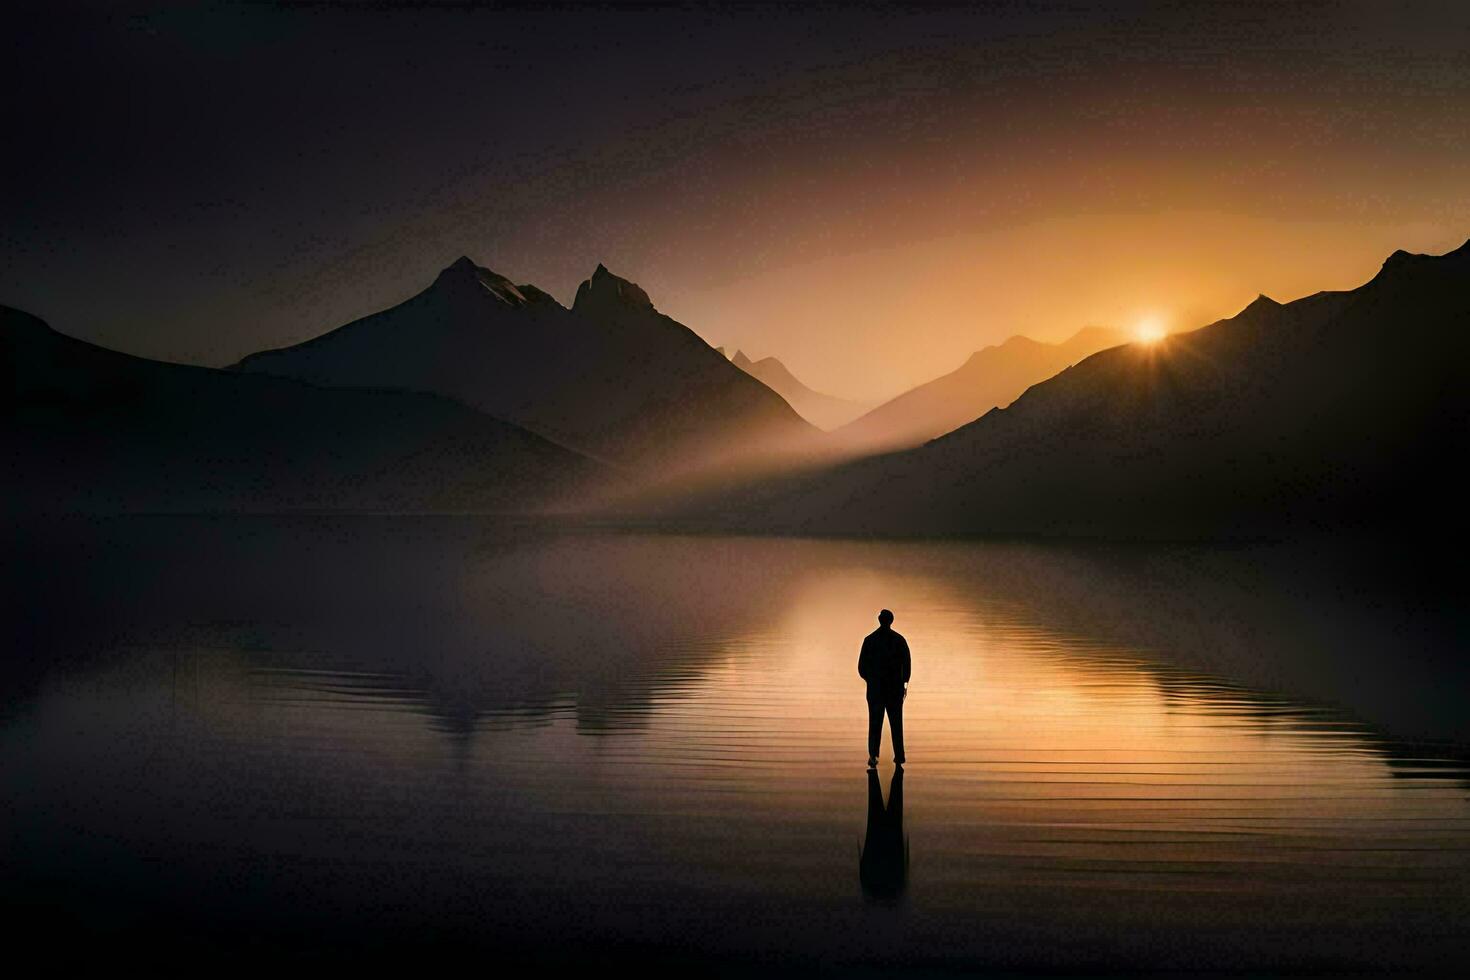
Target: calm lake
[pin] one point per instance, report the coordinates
(407, 736)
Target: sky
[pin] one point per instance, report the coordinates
(868, 192)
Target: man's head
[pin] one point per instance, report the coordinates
(885, 618)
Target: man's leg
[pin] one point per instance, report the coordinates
(875, 726)
(895, 726)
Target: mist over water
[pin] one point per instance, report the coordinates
(389, 735)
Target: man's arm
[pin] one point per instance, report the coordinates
(864, 659)
(907, 663)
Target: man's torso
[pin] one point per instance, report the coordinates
(885, 650)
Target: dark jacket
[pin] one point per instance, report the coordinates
(884, 662)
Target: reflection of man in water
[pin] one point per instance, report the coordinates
(884, 664)
(884, 865)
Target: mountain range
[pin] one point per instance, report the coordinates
(824, 411)
(1341, 409)
(992, 377)
(94, 430)
(611, 376)
(1338, 410)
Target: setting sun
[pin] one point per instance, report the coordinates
(1149, 331)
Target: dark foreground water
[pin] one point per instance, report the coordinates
(277, 742)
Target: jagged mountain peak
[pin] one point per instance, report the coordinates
(1261, 303)
(823, 411)
(1402, 260)
(465, 267)
(606, 291)
(465, 277)
(613, 377)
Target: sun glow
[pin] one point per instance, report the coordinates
(1149, 331)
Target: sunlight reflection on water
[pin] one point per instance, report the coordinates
(524, 773)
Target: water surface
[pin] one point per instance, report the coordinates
(410, 736)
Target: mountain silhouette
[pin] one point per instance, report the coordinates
(612, 376)
(1338, 410)
(823, 411)
(92, 429)
(991, 378)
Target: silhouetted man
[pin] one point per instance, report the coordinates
(883, 867)
(884, 664)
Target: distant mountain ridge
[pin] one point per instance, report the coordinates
(1338, 410)
(611, 376)
(990, 378)
(94, 430)
(824, 411)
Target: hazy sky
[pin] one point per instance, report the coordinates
(868, 193)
